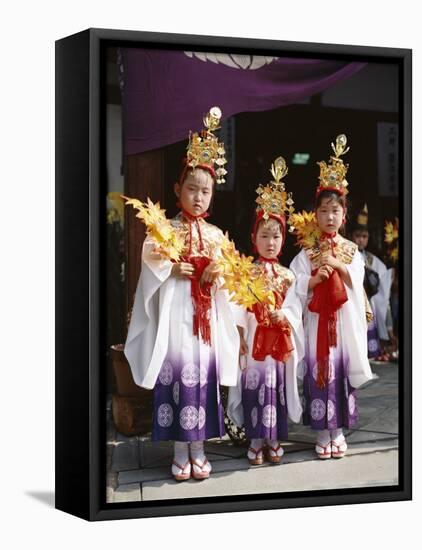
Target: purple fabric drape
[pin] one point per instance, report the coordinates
(166, 93)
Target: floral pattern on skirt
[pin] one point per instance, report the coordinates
(187, 403)
(264, 401)
(333, 406)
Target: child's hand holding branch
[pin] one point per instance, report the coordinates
(182, 270)
(210, 273)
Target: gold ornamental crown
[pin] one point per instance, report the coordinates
(273, 198)
(333, 174)
(362, 218)
(391, 237)
(204, 147)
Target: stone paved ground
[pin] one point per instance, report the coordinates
(140, 470)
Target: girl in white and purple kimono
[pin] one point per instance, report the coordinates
(330, 284)
(271, 345)
(175, 344)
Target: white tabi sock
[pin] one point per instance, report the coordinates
(197, 454)
(338, 444)
(257, 445)
(181, 456)
(323, 437)
(337, 435)
(274, 443)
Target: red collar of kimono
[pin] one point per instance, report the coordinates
(191, 218)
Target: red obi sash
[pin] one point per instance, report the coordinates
(328, 297)
(201, 298)
(201, 294)
(271, 339)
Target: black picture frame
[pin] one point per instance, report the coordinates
(80, 468)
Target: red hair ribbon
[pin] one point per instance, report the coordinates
(186, 167)
(321, 188)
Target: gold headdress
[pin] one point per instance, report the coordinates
(362, 217)
(273, 200)
(333, 175)
(391, 238)
(204, 150)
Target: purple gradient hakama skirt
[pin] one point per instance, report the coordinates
(264, 400)
(187, 403)
(333, 406)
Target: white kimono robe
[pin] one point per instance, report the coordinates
(351, 317)
(162, 321)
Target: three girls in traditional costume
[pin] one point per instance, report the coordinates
(184, 336)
